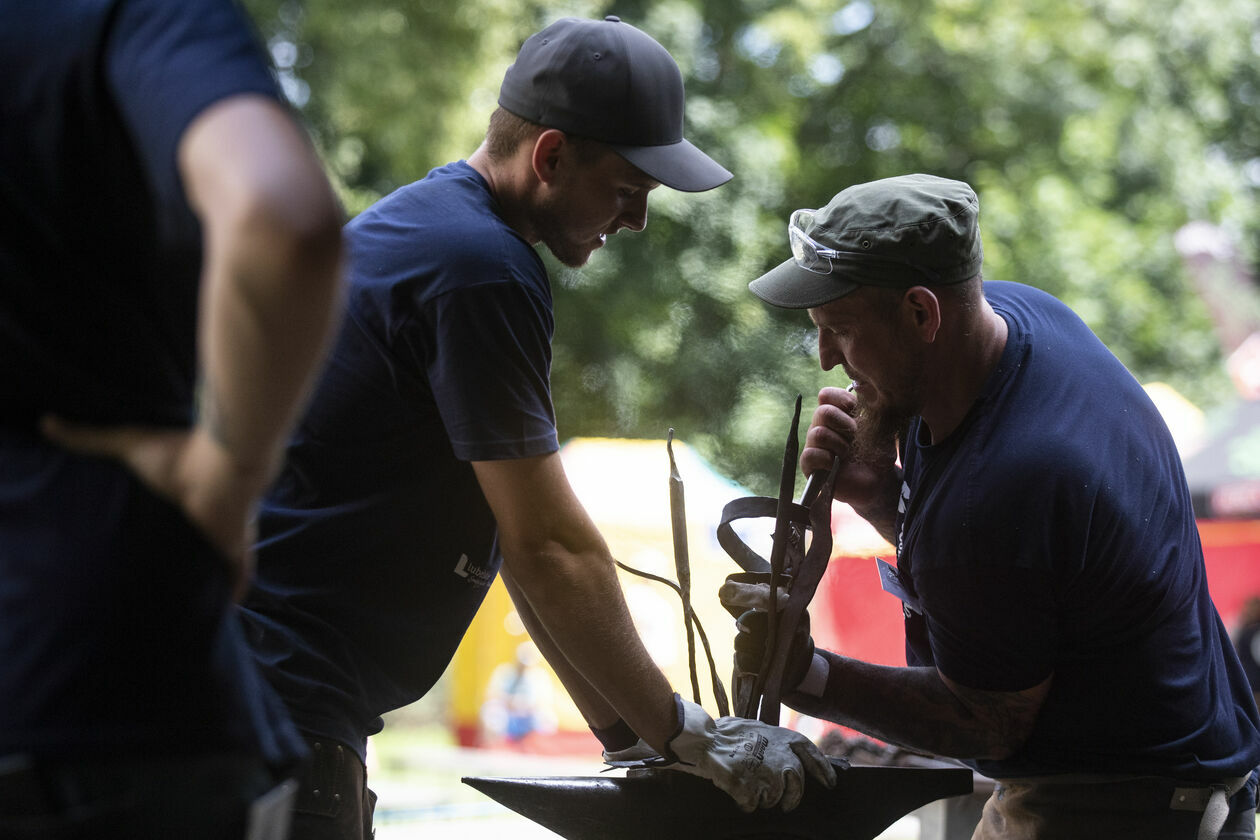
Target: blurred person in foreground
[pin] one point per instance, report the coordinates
(1059, 633)
(169, 278)
(429, 454)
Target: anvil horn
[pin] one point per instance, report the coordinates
(667, 804)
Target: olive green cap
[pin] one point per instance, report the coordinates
(911, 230)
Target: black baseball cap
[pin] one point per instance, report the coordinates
(911, 230)
(606, 80)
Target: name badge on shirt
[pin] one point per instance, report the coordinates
(890, 581)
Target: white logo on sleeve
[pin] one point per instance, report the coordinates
(474, 572)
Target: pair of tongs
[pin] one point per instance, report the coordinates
(791, 566)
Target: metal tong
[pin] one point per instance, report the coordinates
(791, 565)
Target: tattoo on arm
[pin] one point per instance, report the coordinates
(917, 708)
(992, 724)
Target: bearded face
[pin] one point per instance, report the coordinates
(888, 400)
(571, 240)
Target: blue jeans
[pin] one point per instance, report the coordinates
(200, 797)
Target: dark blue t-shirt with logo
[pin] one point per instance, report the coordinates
(116, 632)
(376, 545)
(1052, 533)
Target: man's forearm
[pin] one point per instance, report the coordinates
(585, 616)
(915, 708)
(594, 708)
(271, 280)
(261, 346)
(562, 569)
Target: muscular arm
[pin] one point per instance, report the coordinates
(921, 709)
(270, 279)
(270, 294)
(557, 563)
(594, 708)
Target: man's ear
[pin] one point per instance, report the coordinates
(923, 308)
(546, 156)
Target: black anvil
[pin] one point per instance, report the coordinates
(667, 804)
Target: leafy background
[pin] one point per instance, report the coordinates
(1094, 131)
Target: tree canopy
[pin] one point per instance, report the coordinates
(1092, 132)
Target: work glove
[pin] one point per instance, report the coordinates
(634, 754)
(745, 591)
(758, 765)
(747, 595)
(753, 631)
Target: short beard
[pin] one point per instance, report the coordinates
(568, 253)
(877, 435)
(882, 425)
(552, 230)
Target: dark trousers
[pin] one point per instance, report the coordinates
(333, 801)
(153, 798)
(1131, 809)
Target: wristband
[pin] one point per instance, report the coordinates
(617, 737)
(814, 683)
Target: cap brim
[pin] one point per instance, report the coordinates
(680, 166)
(792, 287)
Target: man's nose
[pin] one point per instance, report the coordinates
(635, 215)
(829, 356)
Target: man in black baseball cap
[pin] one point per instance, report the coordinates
(429, 454)
(607, 81)
(1059, 630)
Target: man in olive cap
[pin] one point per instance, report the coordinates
(1060, 637)
(429, 454)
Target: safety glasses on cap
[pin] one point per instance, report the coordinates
(816, 257)
(808, 254)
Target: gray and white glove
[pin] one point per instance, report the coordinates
(758, 765)
(745, 591)
(634, 754)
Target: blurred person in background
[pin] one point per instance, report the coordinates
(519, 700)
(1060, 637)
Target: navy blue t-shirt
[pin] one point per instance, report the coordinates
(376, 545)
(1052, 533)
(116, 632)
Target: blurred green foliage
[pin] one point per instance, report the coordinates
(1092, 130)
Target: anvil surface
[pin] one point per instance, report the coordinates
(667, 804)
